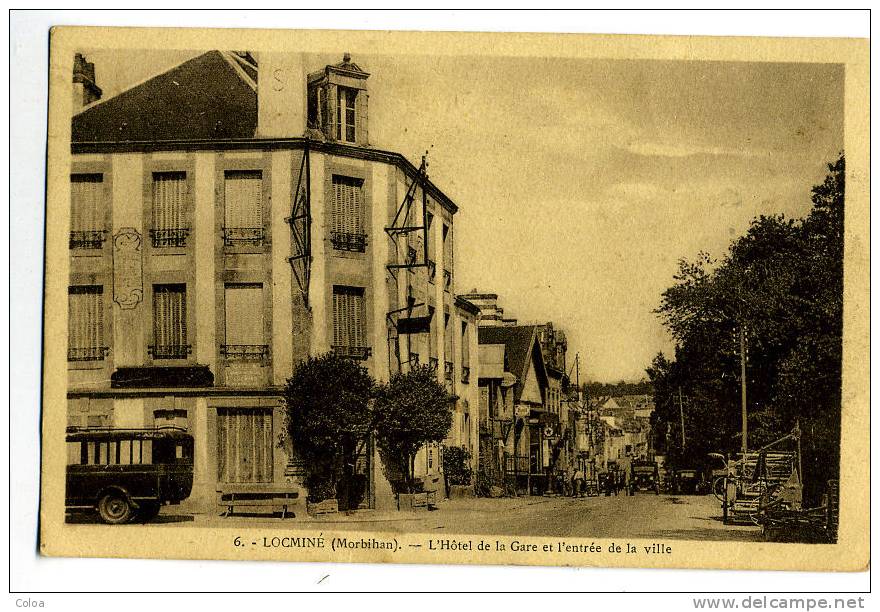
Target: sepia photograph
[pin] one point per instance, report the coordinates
(529, 299)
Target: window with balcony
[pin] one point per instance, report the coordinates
(465, 354)
(243, 208)
(447, 347)
(85, 323)
(169, 323)
(87, 211)
(245, 335)
(347, 228)
(349, 323)
(345, 114)
(447, 258)
(170, 227)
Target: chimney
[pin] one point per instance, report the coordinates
(281, 95)
(85, 89)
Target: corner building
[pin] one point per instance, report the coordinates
(231, 217)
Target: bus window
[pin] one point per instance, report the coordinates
(114, 453)
(147, 451)
(90, 453)
(102, 453)
(74, 453)
(125, 452)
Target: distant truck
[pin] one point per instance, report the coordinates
(644, 476)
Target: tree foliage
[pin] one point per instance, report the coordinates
(328, 416)
(783, 283)
(412, 410)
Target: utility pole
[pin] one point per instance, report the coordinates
(681, 411)
(742, 378)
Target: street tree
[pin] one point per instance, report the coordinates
(781, 285)
(412, 410)
(328, 418)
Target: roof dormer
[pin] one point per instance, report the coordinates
(338, 102)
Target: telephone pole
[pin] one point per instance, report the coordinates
(681, 411)
(742, 378)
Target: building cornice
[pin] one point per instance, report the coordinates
(268, 144)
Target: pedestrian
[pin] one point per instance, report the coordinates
(578, 482)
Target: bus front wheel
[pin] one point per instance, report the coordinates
(114, 508)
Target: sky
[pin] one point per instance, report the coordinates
(582, 182)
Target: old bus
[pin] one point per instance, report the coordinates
(127, 474)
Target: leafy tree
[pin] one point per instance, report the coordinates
(412, 410)
(328, 418)
(783, 283)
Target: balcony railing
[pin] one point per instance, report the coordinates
(447, 279)
(163, 238)
(352, 352)
(244, 352)
(243, 236)
(448, 370)
(346, 241)
(169, 351)
(91, 353)
(465, 374)
(90, 239)
(434, 363)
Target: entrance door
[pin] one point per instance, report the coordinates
(244, 445)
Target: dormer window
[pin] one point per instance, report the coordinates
(338, 101)
(345, 114)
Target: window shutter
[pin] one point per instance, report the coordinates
(244, 315)
(86, 202)
(169, 200)
(169, 315)
(85, 318)
(244, 199)
(362, 102)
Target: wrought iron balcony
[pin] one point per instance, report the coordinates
(169, 351)
(434, 363)
(244, 352)
(465, 374)
(448, 370)
(359, 353)
(89, 239)
(447, 279)
(163, 238)
(347, 241)
(91, 353)
(243, 236)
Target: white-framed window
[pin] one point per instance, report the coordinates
(85, 323)
(243, 207)
(345, 114)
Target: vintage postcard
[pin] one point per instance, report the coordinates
(457, 298)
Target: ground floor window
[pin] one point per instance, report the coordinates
(244, 445)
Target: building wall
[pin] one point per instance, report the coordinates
(128, 265)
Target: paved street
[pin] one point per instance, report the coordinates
(639, 516)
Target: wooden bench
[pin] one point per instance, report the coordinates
(262, 495)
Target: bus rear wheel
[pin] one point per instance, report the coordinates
(114, 508)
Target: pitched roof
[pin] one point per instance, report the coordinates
(210, 96)
(520, 345)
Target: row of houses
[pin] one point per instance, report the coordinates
(232, 216)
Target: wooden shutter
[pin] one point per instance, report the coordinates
(85, 329)
(169, 200)
(86, 202)
(244, 314)
(244, 445)
(348, 210)
(244, 199)
(349, 317)
(169, 315)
